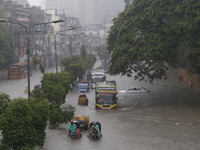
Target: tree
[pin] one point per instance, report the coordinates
(83, 53)
(90, 61)
(189, 24)
(37, 63)
(55, 87)
(73, 65)
(60, 115)
(144, 40)
(23, 123)
(7, 50)
(127, 2)
(4, 102)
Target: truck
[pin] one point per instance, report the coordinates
(83, 87)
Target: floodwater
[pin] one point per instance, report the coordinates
(167, 118)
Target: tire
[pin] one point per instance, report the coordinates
(73, 136)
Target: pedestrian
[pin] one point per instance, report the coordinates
(180, 78)
(26, 90)
(190, 82)
(71, 86)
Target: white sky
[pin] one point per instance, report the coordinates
(35, 2)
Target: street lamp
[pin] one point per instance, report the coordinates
(54, 35)
(28, 44)
(70, 40)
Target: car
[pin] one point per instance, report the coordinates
(38, 86)
(134, 89)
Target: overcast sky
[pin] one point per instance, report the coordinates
(35, 2)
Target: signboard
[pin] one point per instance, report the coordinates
(106, 88)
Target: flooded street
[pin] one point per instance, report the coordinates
(167, 118)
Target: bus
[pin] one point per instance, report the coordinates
(18, 70)
(106, 95)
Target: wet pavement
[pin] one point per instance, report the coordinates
(167, 118)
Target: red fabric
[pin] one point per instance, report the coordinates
(78, 131)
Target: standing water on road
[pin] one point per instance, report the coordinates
(167, 118)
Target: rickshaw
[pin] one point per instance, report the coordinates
(82, 100)
(77, 134)
(84, 121)
(94, 130)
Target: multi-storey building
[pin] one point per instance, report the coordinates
(17, 15)
(21, 2)
(89, 11)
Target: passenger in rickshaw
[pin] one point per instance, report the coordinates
(83, 124)
(96, 127)
(71, 127)
(78, 129)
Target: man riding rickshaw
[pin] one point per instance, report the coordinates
(74, 129)
(95, 130)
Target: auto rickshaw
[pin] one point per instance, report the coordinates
(83, 100)
(94, 130)
(84, 121)
(77, 134)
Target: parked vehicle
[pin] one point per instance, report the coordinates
(134, 89)
(38, 86)
(18, 70)
(83, 100)
(83, 87)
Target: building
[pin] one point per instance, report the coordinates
(21, 2)
(89, 11)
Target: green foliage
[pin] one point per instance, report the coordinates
(60, 115)
(103, 55)
(55, 88)
(7, 50)
(68, 113)
(127, 2)
(74, 65)
(4, 102)
(189, 24)
(56, 116)
(83, 53)
(148, 37)
(90, 61)
(37, 63)
(23, 123)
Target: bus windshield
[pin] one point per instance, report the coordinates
(106, 99)
(83, 86)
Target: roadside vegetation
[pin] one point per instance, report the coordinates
(7, 50)
(150, 37)
(23, 121)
